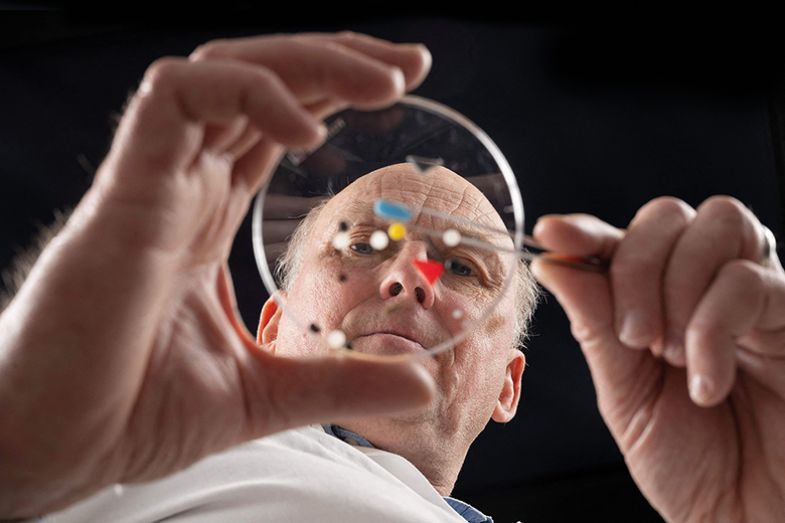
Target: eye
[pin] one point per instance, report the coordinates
(361, 248)
(458, 268)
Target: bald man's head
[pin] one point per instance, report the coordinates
(402, 182)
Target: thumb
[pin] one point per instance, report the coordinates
(588, 302)
(286, 392)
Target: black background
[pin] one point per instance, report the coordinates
(593, 117)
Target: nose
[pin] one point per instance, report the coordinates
(403, 280)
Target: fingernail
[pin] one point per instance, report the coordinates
(700, 388)
(422, 49)
(321, 130)
(633, 330)
(674, 354)
(538, 226)
(399, 80)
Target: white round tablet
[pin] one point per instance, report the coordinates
(336, 339)
(451, 237)
(379, 240)
(341, 241)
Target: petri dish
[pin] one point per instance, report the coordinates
(399, 236)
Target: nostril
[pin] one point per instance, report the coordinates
(420, 294)
(395, 289)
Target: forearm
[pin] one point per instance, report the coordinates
(15, 275)
(22, 494)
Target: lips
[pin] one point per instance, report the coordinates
(409, 341)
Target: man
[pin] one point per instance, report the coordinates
(123, 360)
(479, 378)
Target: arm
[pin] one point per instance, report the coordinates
(122, 356)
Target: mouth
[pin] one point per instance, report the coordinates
(395, 341)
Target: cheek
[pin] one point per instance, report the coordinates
(324, 294)
(459, 312)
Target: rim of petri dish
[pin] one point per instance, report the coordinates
(451, 115)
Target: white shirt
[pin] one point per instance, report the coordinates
(300, 475)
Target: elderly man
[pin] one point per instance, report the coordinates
(122, 359)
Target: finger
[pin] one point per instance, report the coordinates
(314, 70)
(733, 305)
(176, 96)
(743, 307)
(638, 267)
(577, 235)
(619, 374)
(291, 392)
(324, 108)
(413, 59)
(723, 230)
(244, 143)
(256, 164)
(219, 138)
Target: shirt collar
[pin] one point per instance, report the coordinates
(466, 511)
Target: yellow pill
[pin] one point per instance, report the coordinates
(396, 231)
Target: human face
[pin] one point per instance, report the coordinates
(385, 306)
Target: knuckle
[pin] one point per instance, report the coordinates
(745, 272)
(347, 35)
(670, 207)
(209, 49)
(585, 334)
(726, 209)
(266, 79)
(162, 70)
(335, 47)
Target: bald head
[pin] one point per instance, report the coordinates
(437, 188)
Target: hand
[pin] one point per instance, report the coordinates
(123, 357)
(684, 339)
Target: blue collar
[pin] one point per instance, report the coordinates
(466, 511)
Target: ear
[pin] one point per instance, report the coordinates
(267, 332)
(507, 404)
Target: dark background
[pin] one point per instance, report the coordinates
(593, 117)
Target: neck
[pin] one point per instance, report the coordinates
(438, 458)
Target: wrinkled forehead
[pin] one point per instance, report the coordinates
(438, 189)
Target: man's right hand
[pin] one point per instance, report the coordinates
(123, 357)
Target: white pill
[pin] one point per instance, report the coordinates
(451, 237)
(379, 240)
(341, 241)
(457, 314)
(336, 339)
